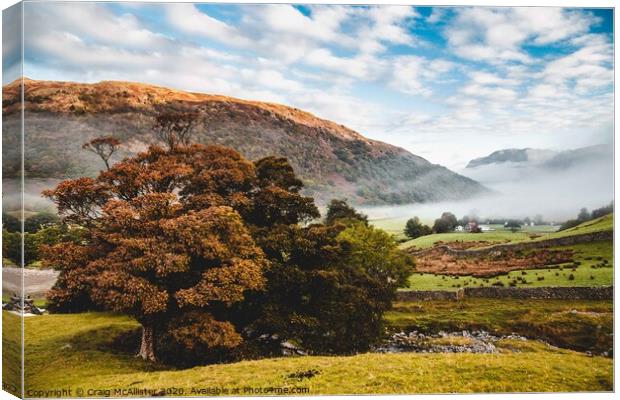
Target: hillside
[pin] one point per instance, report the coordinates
(333, 161)
(601, 224)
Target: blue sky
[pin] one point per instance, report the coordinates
(449, 84)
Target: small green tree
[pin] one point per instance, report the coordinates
(446, 223)
(375, 253)
(414, 228)
(11, 246)
(513, 225)
(341, 211)
(11, 223)
(584, 215)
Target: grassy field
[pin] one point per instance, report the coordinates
(11, 353)
(74, 351)
(502, 236)
(591, 272)
(600, 224)
(604, 223)
(576, 324)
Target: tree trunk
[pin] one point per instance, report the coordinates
(147, 346)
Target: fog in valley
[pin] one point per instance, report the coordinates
(518, 190)
(522, 190)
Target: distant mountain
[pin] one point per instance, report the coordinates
(332, 160)
(584, 155)
(552, 183)
(544, 158)
(500, 156)
(513, 155)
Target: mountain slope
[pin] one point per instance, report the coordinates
(333, 161)
(513, 155)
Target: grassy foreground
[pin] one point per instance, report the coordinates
(74, 352)
(11, 353)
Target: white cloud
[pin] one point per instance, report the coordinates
(482, 91)
(413, 74)
(437, 15)
(95, 21)
(497, 34)
(187, 18)
(590, 67)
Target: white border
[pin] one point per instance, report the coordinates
(513, 3)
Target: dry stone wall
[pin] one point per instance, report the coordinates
(559, 293)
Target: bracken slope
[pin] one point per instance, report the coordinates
(333, 161)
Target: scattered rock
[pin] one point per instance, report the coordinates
(15, 304)
(480, 342)
(301, 375)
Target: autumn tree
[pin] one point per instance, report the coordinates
(205, 249)
(175, 128)
(104, 147)
(163, 244)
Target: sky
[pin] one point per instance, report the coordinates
(449, 84)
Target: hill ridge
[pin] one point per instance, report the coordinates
(332, 160)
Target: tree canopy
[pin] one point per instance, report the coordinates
(340, 210)
(206, 249)
(446, 223)
(414, 228)
(164, 243)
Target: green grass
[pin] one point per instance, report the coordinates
(394, 226)
(576, 324)
(11, 353)
(603, 223)
(502, 236)
(586, 274)
(531, 229)
(73, 351)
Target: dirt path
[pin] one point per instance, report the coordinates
(37, 281)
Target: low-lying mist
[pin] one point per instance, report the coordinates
(521, 191)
